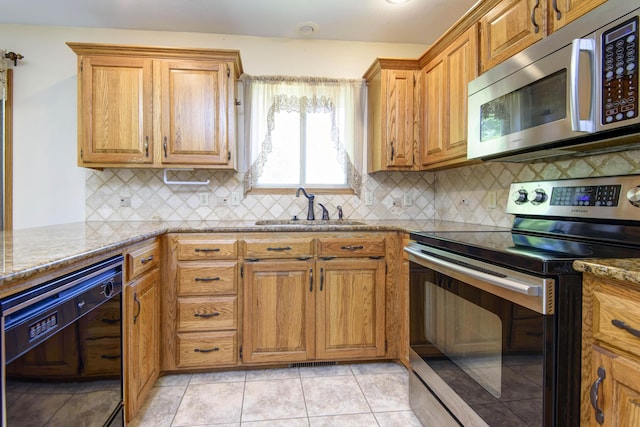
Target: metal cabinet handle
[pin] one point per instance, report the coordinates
(311, 280)
(533, 17)
(393, 151)
(595, 388)
(206, 350)
(146, 260)
(146, 146)
(351, 248)
(620, 324)
(207, 315)
(207, 279)
(321, 279)
(164, 145)
(555, 7)
(278, 249)
(137, 301)
(207, 249)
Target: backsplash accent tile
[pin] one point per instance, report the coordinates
(459, 194)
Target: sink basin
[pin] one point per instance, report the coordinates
(307, 223)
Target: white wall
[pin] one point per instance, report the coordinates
(48, 186)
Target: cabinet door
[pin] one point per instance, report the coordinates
(561, 12)
(115, 112)
(142, 340)
(350, 309)
(399, 118)
(278, 311)
(509, 28)
(615, 381)
(197, 106)
(433, 142)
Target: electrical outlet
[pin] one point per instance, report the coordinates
(368, 198)
(125, 202)
(408, 198)
(204, 199)
(235, 198)
(492, 200)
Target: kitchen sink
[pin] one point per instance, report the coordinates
(307, 223)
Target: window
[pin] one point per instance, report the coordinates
(303, 132)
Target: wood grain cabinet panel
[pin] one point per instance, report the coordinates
(202, 278)
(207, 314)
(562, 12)
(154, 107)
(198, 350)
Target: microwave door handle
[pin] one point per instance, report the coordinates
(577, 125)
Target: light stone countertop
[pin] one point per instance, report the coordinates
(28, 253)
(627, 270)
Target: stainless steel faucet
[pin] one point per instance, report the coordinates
(310, 197)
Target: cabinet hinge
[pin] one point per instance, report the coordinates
(228, 156)
(81, 65)
(81, 154)
(240, 352)
(242, 271)
(228, 72)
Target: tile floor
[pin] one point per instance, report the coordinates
(359, 395)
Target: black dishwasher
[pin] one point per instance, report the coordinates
(62, 350)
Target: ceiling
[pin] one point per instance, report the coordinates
(418, 21)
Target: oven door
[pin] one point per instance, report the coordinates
(478, 342)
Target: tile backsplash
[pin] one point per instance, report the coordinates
(460, 194)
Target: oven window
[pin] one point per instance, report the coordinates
(540, 102)
(488, 350)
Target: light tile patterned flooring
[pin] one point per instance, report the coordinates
(359, 395)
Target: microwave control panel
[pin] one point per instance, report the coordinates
(620, 72)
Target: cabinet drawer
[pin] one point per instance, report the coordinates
(207, 349)
(279, 248)
(610, 309)
(142, 259)
(206, 314)
(207, 279)
(351, 247)
(195, 249)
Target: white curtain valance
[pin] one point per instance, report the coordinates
(343, 98)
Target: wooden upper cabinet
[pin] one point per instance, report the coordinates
(443, 92)
(150, 107)
(117, 126)
(197, 112)
(391, 120)
(509, 27)
(561, 12)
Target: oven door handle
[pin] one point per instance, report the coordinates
(506, 282)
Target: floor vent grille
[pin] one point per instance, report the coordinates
(311, 364)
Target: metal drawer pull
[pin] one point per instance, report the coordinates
(208, 350)
(595, 387)
(620, 324)
(146, 260)
(351, 248)
(207, 250)
(207, 279)
(285, 248)
(207, 315)
(110, 321)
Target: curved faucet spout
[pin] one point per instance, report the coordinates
(310, 197)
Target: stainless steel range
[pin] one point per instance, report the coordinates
(495, 317)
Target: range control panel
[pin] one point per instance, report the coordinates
(612, 198)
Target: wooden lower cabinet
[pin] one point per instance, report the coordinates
(142, 339)
(615, 391)
(279, 311)
(305, 310)
(350, 309)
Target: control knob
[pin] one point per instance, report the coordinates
(540, 196)
(520, 196)
(633, 196)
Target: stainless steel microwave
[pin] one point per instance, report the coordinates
(574, 92)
